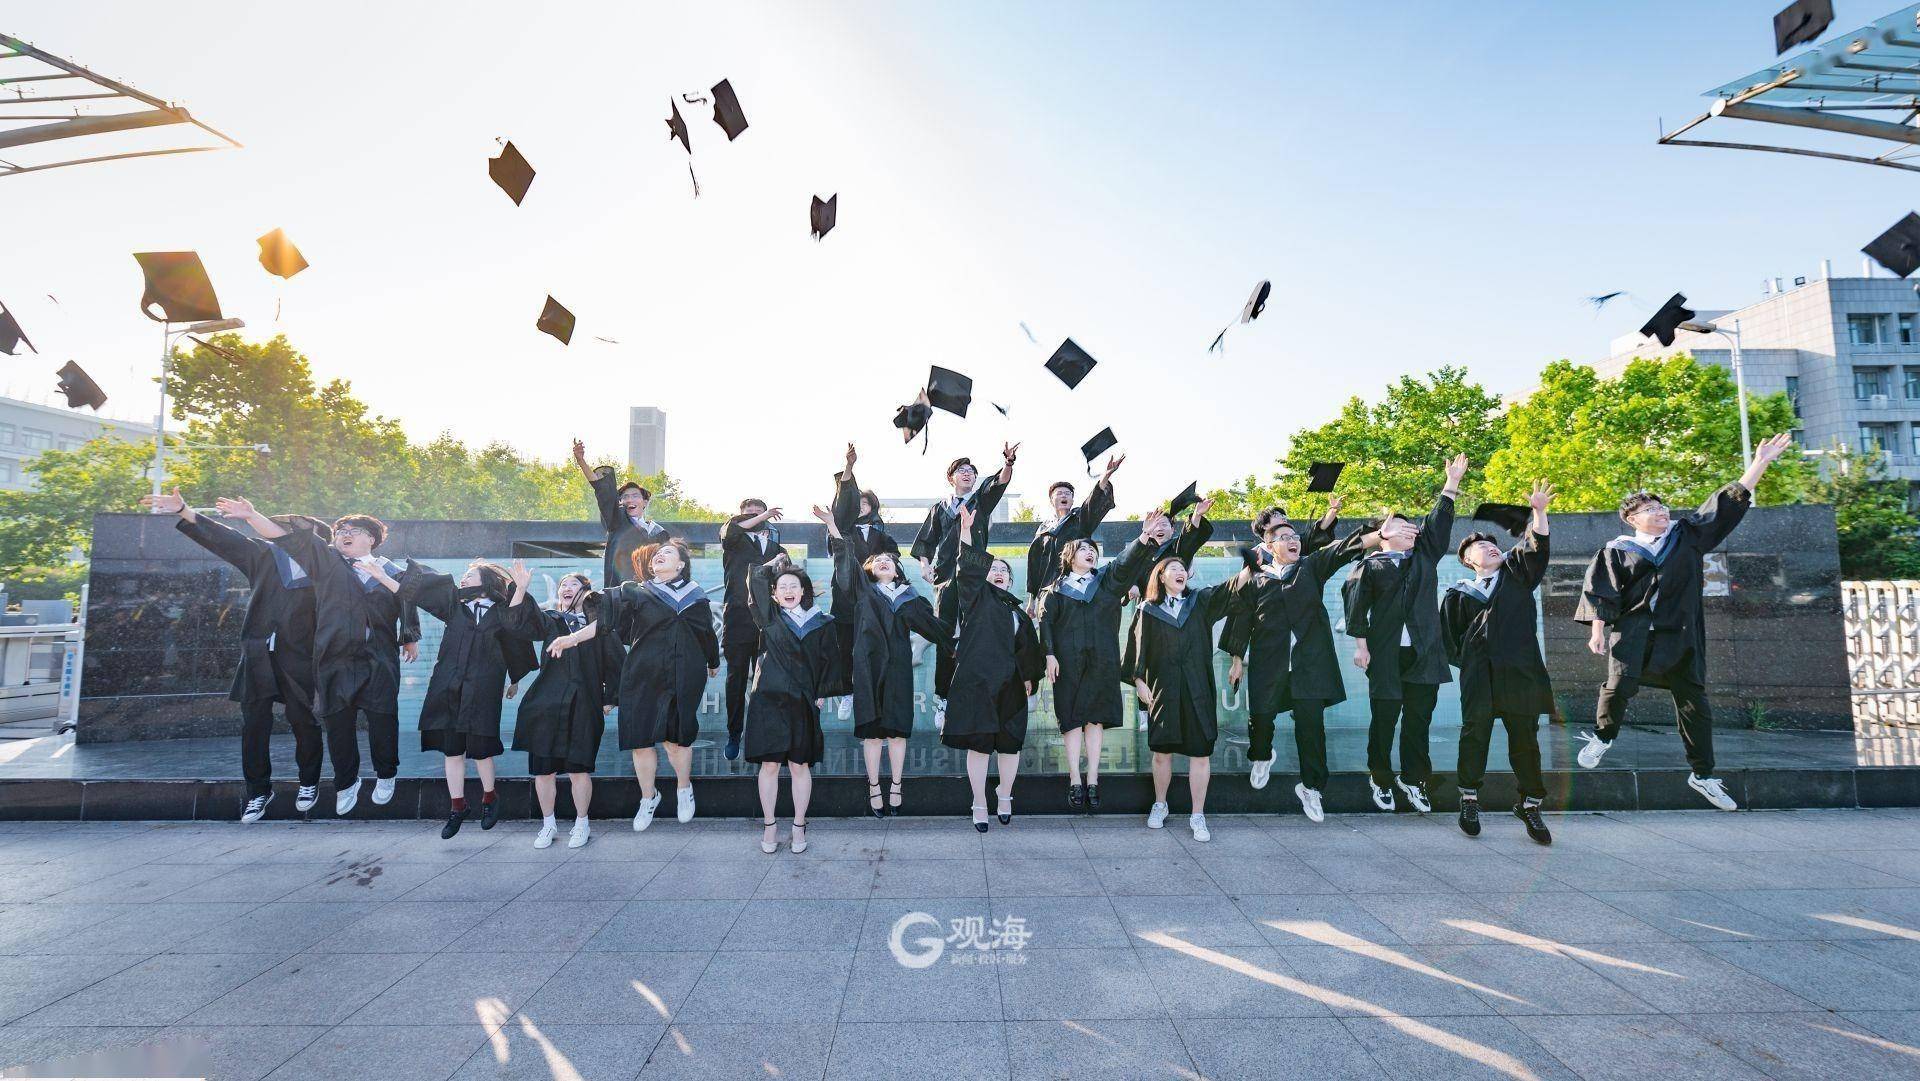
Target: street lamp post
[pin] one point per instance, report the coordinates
(1739, 380)
(167, 336)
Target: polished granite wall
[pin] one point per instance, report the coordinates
(162, 616)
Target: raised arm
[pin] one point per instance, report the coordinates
(1724, 509)
(1198, 532)
(242, 509)
(1320, 534)
(423, 587)
(1133, 559)
(760, 590)
(846, 494)
(222, 540)
(1438, 530)
(1324, 561)
(606, 495)
(1099, 502)
(1528, 559)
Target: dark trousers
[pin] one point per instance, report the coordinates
(1414, 714)
(1523, 751)
(256, 734)
(946, 600)
(1309, 740)
(383, 741)
(1689, 704)
(741, 658)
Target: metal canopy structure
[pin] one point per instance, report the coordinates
(1859, 86)
(45, 101)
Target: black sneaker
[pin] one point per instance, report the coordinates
(1529, 815)
(489, 813)
(1076, 796)
(1093, 798)
(454, 818)
(1470, 817)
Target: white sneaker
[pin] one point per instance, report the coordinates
(1714, 790)
(1416, 795)
(845, 710)
(1309, 802)
(1261, 771)
(306, 797)
(1594, 751)
(1198, 824)
(383, 790)
(344, 799)
(1382, 797)
(685, 810)
(544, 839)
(580, 833)
(256, 808)
(1157, 817)
(644, 817)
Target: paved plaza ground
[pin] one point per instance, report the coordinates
(1780, 944)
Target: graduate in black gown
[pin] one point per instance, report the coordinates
(799, 654)
(997, 666)
(623, 514)
(563, 715)
(1169, 657)
(480, 665)
(1641, 600)
(937, 547)
(856, 513)
(1278, 625)
(874, 600)
(276, 650)
(360, 631)
(747, 541)
(1182, 544)
(1393, 608)
(1492, 631)
(1317, 537)
(666, 625)
(1079, 629)
(1069, 523)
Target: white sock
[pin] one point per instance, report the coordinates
(547, 822)
(579, 820)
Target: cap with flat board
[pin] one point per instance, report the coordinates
(178, 284)
(1250, 311)
(1511, 517)
(1071, 363)
(823, 213)
(11, 336)
(1001, 408)
(1668, 319)
(1188, 496)
(677, 126)
(279, 256)
(80, 388)
(726, 110)
(557, 321)
(1321, 476)
(1098, 445)
(511, 171)
(1898, 249)
(1802, 21)
(912, 419)
(949, 390)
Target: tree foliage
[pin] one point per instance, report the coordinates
(1879, 536)
(46, 532)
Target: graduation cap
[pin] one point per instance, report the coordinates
(1802, 21)
(1511, 517)
(511, 171)
(726, 110)
(80, 388)
(822, 214)
(217, 350)
(677, 126)
(1071, 363)
(1668, 319)
(949, 390)
(1255, 304)
(1098, 445)
(1898, 249)
(279, 256)
(11, 336)
(304, 521)
(557, 321)
(912, 419)
(1321, 476)
(1188, 496)
(178, 283)
(1001, 408)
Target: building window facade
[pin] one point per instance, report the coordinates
(1793, 393)
(35, 439)
(1863, 329)
(6, 435)
(1876, 438)
(1870, 383)
(1903, 328)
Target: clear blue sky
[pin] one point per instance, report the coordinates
(1425, 184)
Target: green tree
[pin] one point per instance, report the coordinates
(1879, 536)
(1671, 426)
(46, 532)
(1395, 449)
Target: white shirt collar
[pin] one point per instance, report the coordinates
(1653, 540)
(893, 588)
(800, 616)
(1277, 569)
(1172, 604)
(1080, 580)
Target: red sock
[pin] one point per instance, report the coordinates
(487, 796)
(459, 803)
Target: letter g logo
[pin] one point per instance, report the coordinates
(924, 950)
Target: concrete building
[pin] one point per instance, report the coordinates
(646, 440)
(1845, 350)
(27, 428)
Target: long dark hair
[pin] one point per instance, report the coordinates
(1072, 549)
(1156, 586)
(495, 580)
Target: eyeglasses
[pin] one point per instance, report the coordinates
(351, 531)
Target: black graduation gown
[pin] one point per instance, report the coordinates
(1651, 601)
(623, 537)
(276, 637)
(670, 645)
(1316, 537)
(860, 537)
(1279, 624)
(1081, 631)
(1173, 656)
(562, 715)
(1385, 595)
(796, 660)
(881, 661)
(1185, 544)
(939, 537)
(477, 660)
(740, 554)
(1494, 640)
(356, 647)
(996, 655)
(1043, 553)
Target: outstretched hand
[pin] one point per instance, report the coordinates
(1200, 510)
(520, 574)
(1154, 518)
(852, 457)
(1770, 450)
(235, 507)
(1541, 496)
(1456, 469)
(1009, 451)
(165, 503)
(1113, 465)
(580, 452)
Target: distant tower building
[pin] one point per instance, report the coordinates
(646, 440)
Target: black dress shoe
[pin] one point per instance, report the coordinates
(489, 813)
(1093, 798)
(1529, 814)
(1076, 796)
(1470, 817)
(454, 818)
